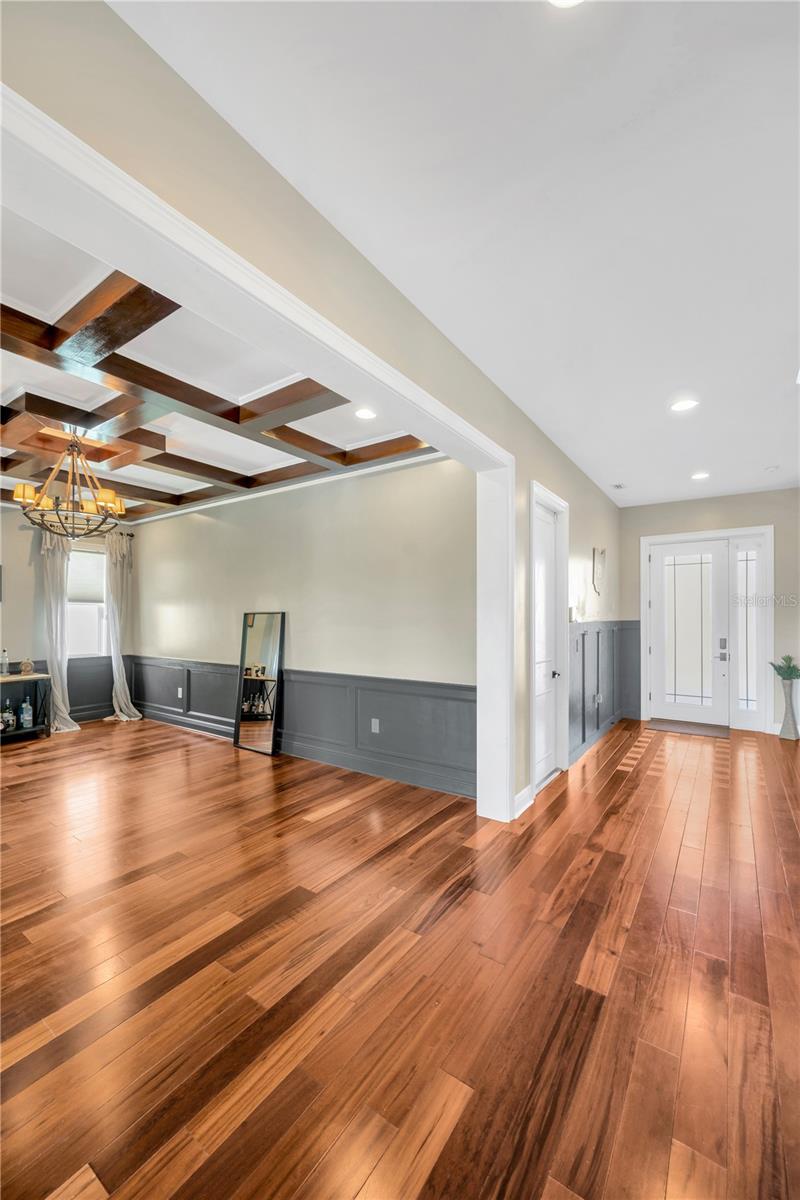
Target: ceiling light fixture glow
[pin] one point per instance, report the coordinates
(700, 475)
(684, 403)
(365, 414)
(565, 3)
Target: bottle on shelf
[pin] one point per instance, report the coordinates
(26, 714)
(8, 717)
(4, 663)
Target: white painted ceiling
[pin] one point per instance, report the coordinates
(186, 345)
(44, 276)
(41, 274)
(597, 205)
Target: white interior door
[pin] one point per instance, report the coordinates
(689, 642)
(546, 667)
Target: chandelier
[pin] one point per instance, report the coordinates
(85, 509)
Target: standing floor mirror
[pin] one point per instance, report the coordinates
(260, 682)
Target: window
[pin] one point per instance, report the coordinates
(687, 611)
(86, 603)
(747, 611)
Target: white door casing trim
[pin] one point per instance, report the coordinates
(57, 181)
(547, 499)
(766, 533)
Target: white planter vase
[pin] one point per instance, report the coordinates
(789, 727)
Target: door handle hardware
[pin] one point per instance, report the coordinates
(721, 657)
(556, 674)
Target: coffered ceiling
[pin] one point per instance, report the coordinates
(173, 411)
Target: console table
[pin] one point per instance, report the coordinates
(38, 688)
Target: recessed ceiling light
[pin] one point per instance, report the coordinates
(684, 402)
(366, 414)
(700, 475)
(565, 3)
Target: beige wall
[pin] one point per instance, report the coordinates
(780, 509)
(85, 68)
(376, 574)
(22, 612)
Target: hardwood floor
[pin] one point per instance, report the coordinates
(235, 977)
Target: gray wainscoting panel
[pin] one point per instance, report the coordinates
(211, 692)
(604, 679)
(90, 682)
(426, 731)
(196, 695)
(318, 708)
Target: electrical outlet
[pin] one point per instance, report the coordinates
(180, 693)
(375, 725)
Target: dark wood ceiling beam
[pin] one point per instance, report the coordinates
(404, 446)
(201, 496)
(187, 404)
(282, 474)
(109, 423)
(155, 384)
(189, 468)
(17, 427)
(128, 491)
(124, 414)
(16, 324)
(54, 411)
(293, 441)
(26, 465)
(114, 313)
(295, 402)
(138, 444)
(141, 510)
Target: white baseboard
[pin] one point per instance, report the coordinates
(523, 800)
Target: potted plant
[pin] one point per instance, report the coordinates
(788, 670)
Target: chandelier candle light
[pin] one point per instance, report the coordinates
(76, 514)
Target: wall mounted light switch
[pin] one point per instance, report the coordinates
(375, 725)
(180, 693)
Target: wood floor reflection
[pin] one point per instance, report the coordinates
(230, 977)
(257, 735)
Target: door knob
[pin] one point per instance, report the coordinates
(556, 674)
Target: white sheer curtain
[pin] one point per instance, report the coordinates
(55, 555)
(119, 565)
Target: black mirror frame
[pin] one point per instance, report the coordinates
(278, 682)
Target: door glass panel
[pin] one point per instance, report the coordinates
(746, 571)
(687, 631)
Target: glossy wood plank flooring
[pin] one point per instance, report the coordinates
(235, 977)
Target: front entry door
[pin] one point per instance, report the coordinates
(546, 675)
(689, 645)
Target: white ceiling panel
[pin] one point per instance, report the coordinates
(43, 275)
(193, 439)
(18, 375)
(597, 205)
(162, 481)
(201, 354)
(343, 428)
